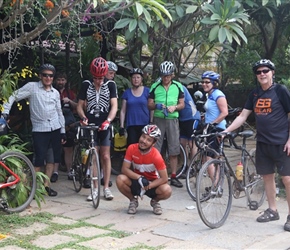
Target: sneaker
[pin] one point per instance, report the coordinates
(269, 215)
(156, 207)
(175, 182)
(87, 183)
(102, 182)
(287, 224)
(50, 192)
(70, 175)
(95, 195)
(132, 209)
(108, 195)
(54, 177)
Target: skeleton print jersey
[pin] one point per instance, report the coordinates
(98, 102)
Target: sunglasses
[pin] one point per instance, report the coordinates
(205, 82)
(47, 75)
(264, 71)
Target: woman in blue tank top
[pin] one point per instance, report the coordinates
(134, 111)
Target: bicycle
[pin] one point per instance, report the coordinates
(91, 165)
(214, 189)
(181, 159)
(17, 182)
(203, 150)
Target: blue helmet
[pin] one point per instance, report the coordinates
(3, 126)
(213, 76)
(263, 62)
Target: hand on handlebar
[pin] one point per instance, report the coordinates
(105, 125)
(84, 121)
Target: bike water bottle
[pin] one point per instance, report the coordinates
(85, 154)
(239, 171)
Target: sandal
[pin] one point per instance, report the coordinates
(156, 207)
(132, 209)
(268, 215)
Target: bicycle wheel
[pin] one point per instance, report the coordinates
(181, 161)
(254, 182)
(19, 196)
(193, 170)
(213, 193)
(77, 169)
(95, 174)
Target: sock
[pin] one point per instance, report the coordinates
(173, 175)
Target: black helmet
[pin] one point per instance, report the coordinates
(263, 62)
(46, 66)
(136, 71)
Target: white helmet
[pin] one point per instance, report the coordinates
(198, 95)
(166, 68)
(112, 66)
(152, 130)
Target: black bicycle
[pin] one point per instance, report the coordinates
(215, 187)
(86, 162)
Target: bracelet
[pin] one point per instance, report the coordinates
(175, 107)
(109, 119)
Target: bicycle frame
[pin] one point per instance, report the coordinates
(9, 184)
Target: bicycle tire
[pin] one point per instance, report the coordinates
(21, 194)
(95, 176)
(193, 170)
(77, 168)
(181, 161)
(214, 200)
(254, 182)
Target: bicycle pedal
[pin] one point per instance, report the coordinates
(253, 205)
(3, 204)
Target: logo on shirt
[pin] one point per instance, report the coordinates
(263, 106)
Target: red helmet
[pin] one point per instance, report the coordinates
(99, 67)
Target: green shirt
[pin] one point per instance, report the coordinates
(167, 97)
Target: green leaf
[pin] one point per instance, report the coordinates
(132, 25)
(144, 37)
(147, 17)
(207, 20)
(213, 33)
(215, 17)
(142, 25)
(157, 6)
(139, 8)
(122, 23)
(222, 35)
(191, 9)
(179, 11)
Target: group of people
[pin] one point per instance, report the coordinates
(149, 114)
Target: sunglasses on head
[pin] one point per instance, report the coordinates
(264, 71)
(205, 82)
(47, 75)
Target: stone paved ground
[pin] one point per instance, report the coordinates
(80, 226)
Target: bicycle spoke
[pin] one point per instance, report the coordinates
(77, 172)
(214, 193)
(254, 183)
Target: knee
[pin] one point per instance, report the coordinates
(286, 181)
(121, 179)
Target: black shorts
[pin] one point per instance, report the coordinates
(136, 189)
(269, 157)
(186, 129)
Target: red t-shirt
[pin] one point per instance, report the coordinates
(147, 164)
